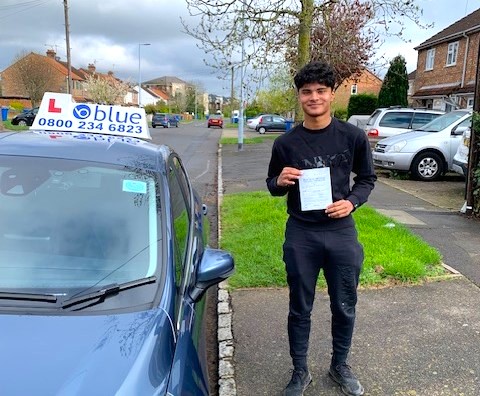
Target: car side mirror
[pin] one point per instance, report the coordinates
(458, 130)
(215, 266)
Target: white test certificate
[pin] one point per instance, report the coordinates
(315, 189)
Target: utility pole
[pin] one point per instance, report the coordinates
(242, 76)
(232, 94)
(67, 39)
(196, 117)
(473, 152)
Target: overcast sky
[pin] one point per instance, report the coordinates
(108, 32)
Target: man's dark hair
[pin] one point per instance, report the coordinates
(315, 72)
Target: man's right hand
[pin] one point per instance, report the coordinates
(288, 177)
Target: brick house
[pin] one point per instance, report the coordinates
(173, 86)
(365, 83)
(446, 66)
(52, 74)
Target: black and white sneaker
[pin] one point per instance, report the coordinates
(342, 374)
(300, 380)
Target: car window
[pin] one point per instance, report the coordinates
(267, 119)
(71, 225)
(396, 119)
(180, 207)
(374, 117)
(442, 122)
(278, 119)
(420, 119)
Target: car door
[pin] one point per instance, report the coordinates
(279, 123)
(189, 374)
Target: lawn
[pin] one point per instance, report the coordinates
(253, 227)
(8, 125)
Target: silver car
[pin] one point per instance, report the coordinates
(426, 152)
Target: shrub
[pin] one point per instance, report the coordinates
(341, 114)
(17, 106)
(362, 104)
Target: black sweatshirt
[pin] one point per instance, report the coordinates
(341, 146)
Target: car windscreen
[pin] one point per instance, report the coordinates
(442, 122)
(67, 226)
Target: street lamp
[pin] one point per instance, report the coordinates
(140, 75)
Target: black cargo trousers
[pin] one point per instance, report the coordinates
(307, 249)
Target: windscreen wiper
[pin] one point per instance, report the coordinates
(51, 298)
(99, 296)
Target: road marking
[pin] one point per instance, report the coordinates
(204, 172)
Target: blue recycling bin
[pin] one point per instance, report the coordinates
(288, 124)
(4, 113)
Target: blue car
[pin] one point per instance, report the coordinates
(165, 120)
(103, 259)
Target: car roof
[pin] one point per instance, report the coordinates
(109, 149)
(418, 109)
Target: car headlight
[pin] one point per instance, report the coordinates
(397, 147)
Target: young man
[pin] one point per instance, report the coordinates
(320, 231)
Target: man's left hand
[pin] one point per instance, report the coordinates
(339, 209)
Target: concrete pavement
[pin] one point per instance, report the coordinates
(409, 340)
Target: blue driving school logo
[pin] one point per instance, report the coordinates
(82, 112)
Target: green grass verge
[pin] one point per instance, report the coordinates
(253, 226)
(254, 140)
(8, 125)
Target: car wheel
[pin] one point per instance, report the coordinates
(427, 166)
(176, 125)
(262, 130)
(22, 123)
(154, 126)
(208, 126)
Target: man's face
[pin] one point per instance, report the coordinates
(315, 99)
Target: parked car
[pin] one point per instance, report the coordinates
(271, 123)
(253, 122)
(426, 152)
(215, 120)
(460, 159)
(385, 122)
(359, 120)
(26, 118)
(103, 259)
(164, 120)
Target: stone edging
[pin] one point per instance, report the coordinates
(226, 369)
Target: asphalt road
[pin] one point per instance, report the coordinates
(197, 146)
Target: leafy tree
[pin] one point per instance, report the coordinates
(280, 97)
(33, 75)
(106, 89)
(394, 89)
(273, 31)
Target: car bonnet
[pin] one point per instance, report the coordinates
(122, 354)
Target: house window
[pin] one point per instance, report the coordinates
(452, 53)
(470, 103)
(353, 89)
(430, 59)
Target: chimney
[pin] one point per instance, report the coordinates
(91, 68)
(51, 53)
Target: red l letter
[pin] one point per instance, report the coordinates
(52, 108)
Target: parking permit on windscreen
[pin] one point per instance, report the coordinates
(315, 189)
(135, 186)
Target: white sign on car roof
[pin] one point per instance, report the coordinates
(59, 112)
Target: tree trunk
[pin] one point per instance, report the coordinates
(304, 36)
